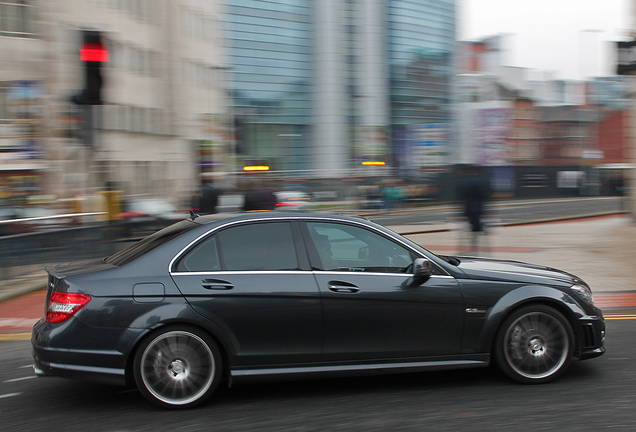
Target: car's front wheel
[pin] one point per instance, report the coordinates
(534, 344)
(177, 367)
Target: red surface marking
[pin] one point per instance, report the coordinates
(18, 315)
(29, 305)
(615, 300)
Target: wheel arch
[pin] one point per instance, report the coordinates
(528, 295)
(216, 334)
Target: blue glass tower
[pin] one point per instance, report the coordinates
(271, 64)
(322, 84)
(421, 44)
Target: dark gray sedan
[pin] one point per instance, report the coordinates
(272, 294)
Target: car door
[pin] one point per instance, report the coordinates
(253, 282)
(371, 304)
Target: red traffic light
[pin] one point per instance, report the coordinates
(94, 53)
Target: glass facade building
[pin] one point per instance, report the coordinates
(421, 45)
(271, 64)
(323, 84)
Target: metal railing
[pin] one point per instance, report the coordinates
(26, 253)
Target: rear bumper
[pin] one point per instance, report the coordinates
(86, 363)
(85, 373)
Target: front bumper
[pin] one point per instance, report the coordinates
(591, 336)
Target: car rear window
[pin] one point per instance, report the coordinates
(151, 242)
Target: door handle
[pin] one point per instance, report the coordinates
(214, 284)
(343, 287)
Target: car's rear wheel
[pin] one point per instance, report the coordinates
(534, 344)
(178, 367)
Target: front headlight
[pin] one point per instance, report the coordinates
(584, 293)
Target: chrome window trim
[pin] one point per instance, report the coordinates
(335, 272)
(241, 272)
(292, 219)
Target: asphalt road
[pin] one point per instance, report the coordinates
(596, 394)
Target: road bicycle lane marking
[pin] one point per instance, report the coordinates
(15, 337)
(619, 317)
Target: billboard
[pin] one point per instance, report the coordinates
(490, 133)
(428, 145)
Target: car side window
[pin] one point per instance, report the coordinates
(249, 247)
(262, 246)
(202, 258)
(343, 247)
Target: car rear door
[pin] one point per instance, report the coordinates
(372, 307)
(253, 281)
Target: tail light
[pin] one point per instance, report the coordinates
(62, 306)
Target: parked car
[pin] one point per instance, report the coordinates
(142, 217)
(292, 200)
(289, 294)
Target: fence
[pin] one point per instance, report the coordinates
(26, 253)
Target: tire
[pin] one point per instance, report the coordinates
(534, 345)
(177, 367)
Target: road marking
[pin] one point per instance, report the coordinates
(20, 379)
(9, 395)
(620, 317)
(15, 337)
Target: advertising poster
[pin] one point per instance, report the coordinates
(491, 133)
(428, 145)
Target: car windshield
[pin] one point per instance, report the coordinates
(151, 242)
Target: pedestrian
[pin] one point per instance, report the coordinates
(209, 198)
(259, 199)
(474, 192)
(260, 196)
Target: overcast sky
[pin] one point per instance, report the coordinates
(572, 38)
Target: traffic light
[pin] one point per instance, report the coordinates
(93, 53)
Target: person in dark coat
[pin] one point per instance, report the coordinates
(209, 198)
(260, 199)
(474, 192)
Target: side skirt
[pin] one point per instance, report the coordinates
(293, 372)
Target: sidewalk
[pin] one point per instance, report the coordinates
(600, 250)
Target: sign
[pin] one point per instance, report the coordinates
(428, 144)
(626, 58)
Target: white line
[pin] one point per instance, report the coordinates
(9, 395)
(20, 379)
(26, 366)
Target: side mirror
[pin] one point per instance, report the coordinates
(422, 269)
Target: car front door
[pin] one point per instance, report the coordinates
(372, 306)
(254, 283)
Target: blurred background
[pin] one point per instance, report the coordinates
(112, 110)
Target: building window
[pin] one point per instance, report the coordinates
(4, 111)
(15, 18)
